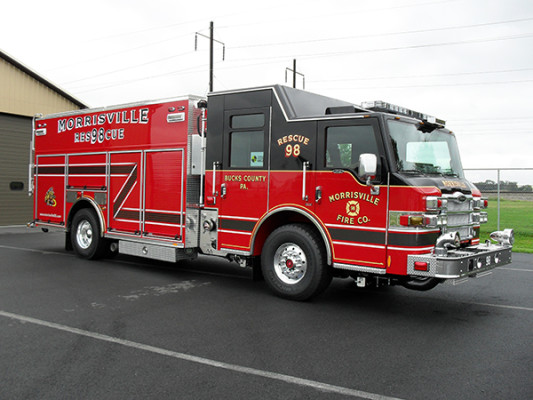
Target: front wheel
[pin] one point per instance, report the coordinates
(85, 235)
(293, 262)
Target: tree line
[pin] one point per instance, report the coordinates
(505, 186)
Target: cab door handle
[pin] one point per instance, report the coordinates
(318, 194)
(306, 165)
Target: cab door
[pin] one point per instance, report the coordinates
(354, 214)
(243, 177)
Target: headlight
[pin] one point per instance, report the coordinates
(505, 237)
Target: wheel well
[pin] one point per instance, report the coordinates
(285, 217)
(81, 204)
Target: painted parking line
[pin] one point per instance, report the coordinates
(320, 386)
(503, 306)
(516, 269)
(2, 246)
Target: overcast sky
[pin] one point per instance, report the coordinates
(469, 62)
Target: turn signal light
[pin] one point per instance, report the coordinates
(430, 221)
(411, 220)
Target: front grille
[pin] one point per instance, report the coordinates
(459, 215)
(456, 220)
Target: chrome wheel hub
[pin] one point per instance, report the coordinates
(84, 234)
(290, 263)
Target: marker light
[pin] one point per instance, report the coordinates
(383, 106)
(435, 203)
(421, 266)
(480, 203)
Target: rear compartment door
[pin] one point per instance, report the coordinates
(125, 183)
(50, 189)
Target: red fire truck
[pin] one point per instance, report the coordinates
(298, 186)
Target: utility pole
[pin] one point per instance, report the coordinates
(212, 39)
(294, 73)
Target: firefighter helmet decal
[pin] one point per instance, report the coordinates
(50, 197)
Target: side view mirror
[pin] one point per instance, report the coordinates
(368, 166)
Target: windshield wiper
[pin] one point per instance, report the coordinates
(412, 171)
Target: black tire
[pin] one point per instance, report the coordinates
(293, 262)
(85, 235)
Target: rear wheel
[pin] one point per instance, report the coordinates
(293, 262)
(85, 235)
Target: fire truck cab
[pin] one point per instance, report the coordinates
(299, 186)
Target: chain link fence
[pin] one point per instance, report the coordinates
(503, 183)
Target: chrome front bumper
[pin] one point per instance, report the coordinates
(461, 263)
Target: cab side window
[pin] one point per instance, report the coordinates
(247, 141)
(344, 145)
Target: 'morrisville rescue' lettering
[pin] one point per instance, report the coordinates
(132, 116)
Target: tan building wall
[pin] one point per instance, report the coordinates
(21, 94)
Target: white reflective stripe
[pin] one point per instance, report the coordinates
(373, 246)
(234, 232)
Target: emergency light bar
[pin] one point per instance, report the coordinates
(383, 106)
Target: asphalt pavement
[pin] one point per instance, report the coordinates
(129, 328)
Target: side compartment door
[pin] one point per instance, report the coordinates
(163, 193)
(50, 189)
(124, 210)
(244, 177)
(356, 217)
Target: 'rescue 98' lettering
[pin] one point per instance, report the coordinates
(293, 144)
(99, 135)
(292, 151)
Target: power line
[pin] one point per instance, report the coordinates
(188, 70)
(383, 34)
(424, 75)
(275, 59)
(465, 133)
(506, 119)
(151, 44)
(246, 46)
(357, 10)
(435, 85)
(419, 46)
(127, 68)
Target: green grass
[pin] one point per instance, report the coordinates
(517, 215)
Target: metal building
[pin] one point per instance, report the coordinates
(23, 93)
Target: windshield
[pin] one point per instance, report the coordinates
(420, 152)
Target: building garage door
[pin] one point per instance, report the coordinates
(15, 137)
